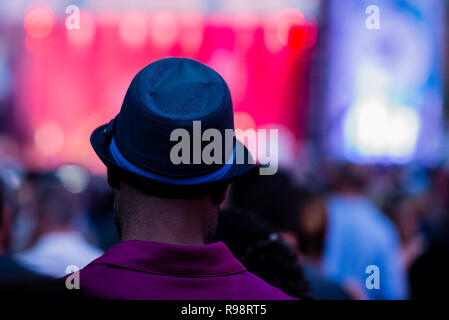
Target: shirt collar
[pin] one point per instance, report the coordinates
(213, 259)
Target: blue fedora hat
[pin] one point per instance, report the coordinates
(166, 95)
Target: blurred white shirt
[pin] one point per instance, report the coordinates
(55, 251)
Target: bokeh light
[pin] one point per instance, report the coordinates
(164, 29)
(39, 20)
(374, 128)
(291, 27)
(49, 139)
(73, 177)
(133, 28)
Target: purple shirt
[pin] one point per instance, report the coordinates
(149, 270)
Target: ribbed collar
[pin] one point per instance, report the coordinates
(160, 258)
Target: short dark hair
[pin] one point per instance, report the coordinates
(163, 190)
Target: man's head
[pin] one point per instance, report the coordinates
(171, 151)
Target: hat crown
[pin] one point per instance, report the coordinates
(179, 89)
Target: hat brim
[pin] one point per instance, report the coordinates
(100, 144)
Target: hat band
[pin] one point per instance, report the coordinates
(211, 177)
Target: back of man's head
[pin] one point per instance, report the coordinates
(158, 155)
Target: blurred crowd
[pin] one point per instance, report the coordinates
(314, 235)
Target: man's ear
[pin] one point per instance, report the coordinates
(113, 180)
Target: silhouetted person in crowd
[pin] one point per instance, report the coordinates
(312, 218)
(360, 236)
(261, 251)
(166, 202)
(275, 199)
(10, 269)
(16, 281)
(407, 213)
(59, 243)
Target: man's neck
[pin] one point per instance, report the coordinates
(175, 225)
(176, 221)
(176, 228)
(169, 239)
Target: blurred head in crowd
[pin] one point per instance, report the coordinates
(44, 205)
(53, 207)
(52, 215)
(269, 196)
(349, 178)
(312, 223)
(261, 251)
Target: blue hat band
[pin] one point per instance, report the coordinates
(211, 177)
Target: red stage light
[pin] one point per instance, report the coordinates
(291, 27)
(297, 36)
(253, 54)
(312, 32)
